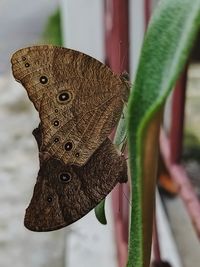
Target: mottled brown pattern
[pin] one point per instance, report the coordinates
(96, 98)
(72, 200)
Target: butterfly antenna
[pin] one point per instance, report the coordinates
(127, 198)
(119, 54)
(124, 143)
(122, 63)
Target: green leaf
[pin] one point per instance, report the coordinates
(53, 30)
(166, 47)
(100, 212)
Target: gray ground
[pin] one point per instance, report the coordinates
(22, 22)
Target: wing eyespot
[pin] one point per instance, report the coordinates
(27, 65)
(64, 97)
(43, 79)
(77, 155)
(68, 146)
(65, 177)
(56, 123)
(49, 199)
(56, 140)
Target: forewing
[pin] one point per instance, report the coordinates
(79, 99)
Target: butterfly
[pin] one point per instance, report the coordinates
(79, 99)
(64, 193)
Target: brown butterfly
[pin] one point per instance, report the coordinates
(65, 193)
(78, 98)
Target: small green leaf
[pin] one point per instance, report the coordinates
(100, 212)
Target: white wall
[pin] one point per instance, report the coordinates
(136, 32)
(83, 26)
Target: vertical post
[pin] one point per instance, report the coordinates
(117, 53)
(147, 11)
(116, 32)
(177, 119)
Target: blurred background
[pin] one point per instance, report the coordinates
(111, 31)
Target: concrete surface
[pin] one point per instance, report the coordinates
(168, 247)
(90, 244)
(186, 238)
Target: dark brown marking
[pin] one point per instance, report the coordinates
(72, 200)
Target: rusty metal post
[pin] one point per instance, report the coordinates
(147, 11)
(177, 119)
(117, 56)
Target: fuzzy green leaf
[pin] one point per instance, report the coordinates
(166, 47)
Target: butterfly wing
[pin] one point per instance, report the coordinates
(79, 99)
(65, 193)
